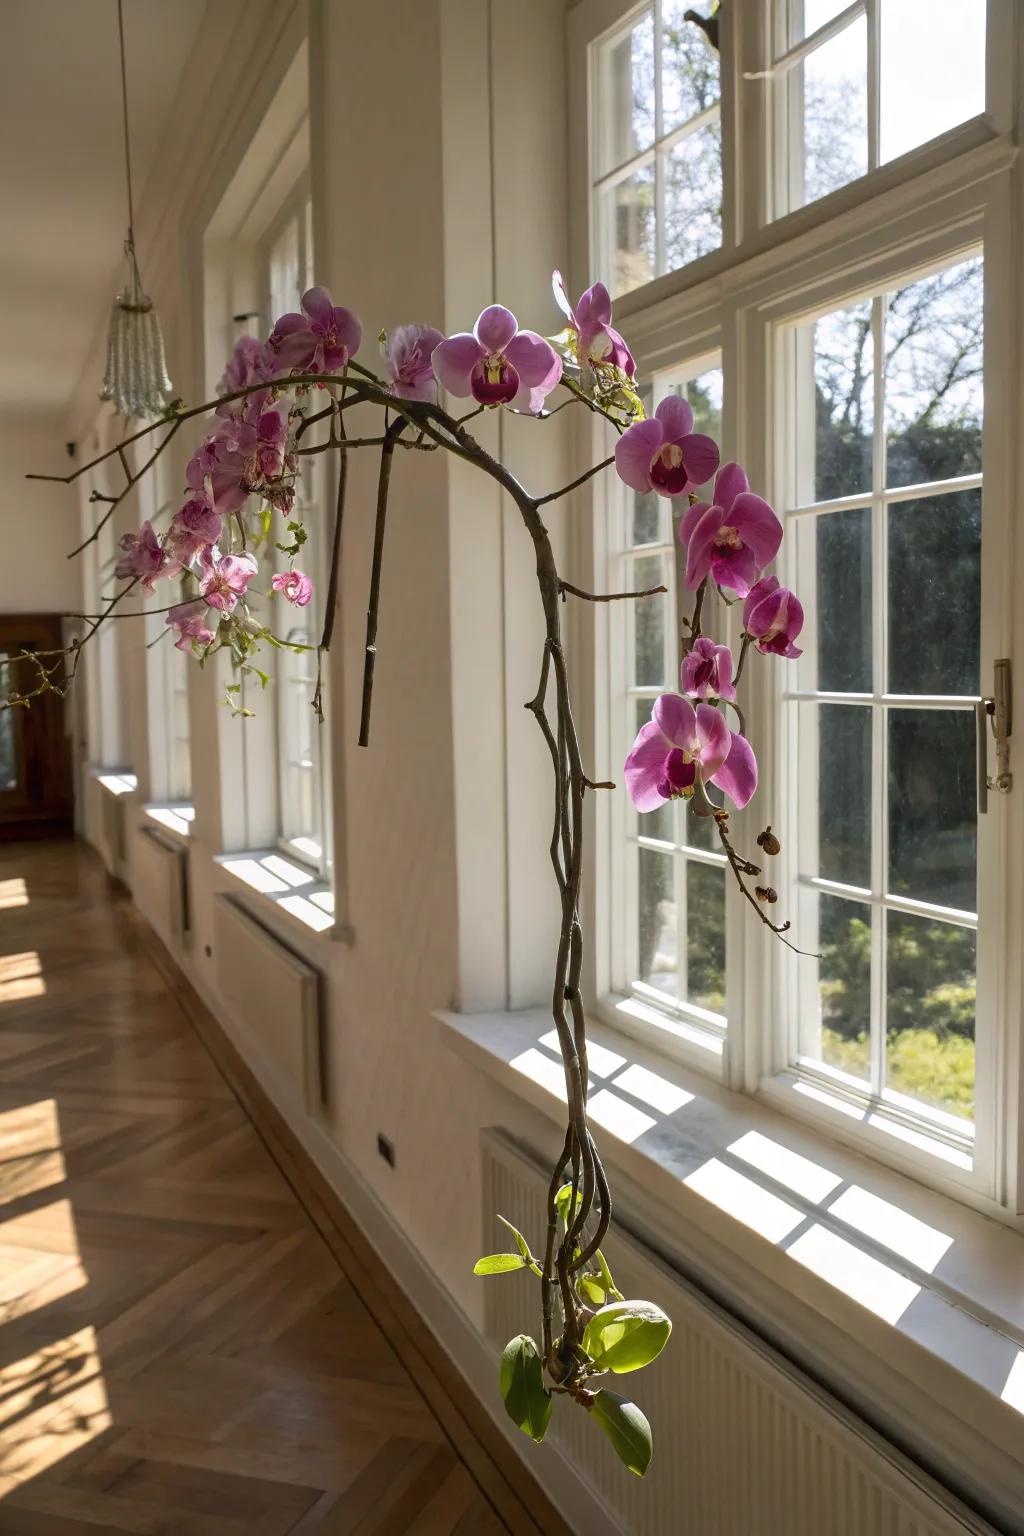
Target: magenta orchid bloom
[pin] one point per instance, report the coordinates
(679, 743)
(498, 364)
(407, 352)
(706, 672)
(320, 340)
(226, 579)
(296, 587)
(143, 556)
(252, 362)
(596, 340)
(261, 436)
(189, 619)
(734, 538)
(773, 616)
(664, 454)
(195, 526)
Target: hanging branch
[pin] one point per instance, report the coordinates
(387, 453)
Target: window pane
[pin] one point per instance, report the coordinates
(661, 823)
(693, 196)
(699, 831)
(843, 574)
(933, 376)
(844, 791)
(657, 931)
(649, 621)
(705, 936)
(844, 985)
(932, 806)
(816, 13)
(930, 985)
(8, 765)
(627, 219)
(844, 393)
(932, 69)
(627, 95)
(647, 518)
(835, 102)
(935, 594)
(690, 74)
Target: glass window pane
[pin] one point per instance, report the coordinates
(657, 931)
(690, 72)
(932, 62)
(705, 936)
(699, 831)
(935, 594)
(693, 196)
(816, 13)
(627, 221)
(627, 95)
(932, 806)
(843, 407)
(650, 617)
(835, 115)
(844, 986)
(933, 376)
(844, 791)
(660, 823)
(842, 573)
(647, 518)
(930, 988)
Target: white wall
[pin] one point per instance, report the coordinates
(38, 520)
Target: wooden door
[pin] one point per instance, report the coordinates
(35, 761)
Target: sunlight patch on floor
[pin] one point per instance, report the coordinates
(13, 893)
(52, 1402)
(21, 976)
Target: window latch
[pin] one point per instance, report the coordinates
(997, 708)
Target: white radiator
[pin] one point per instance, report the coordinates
(274, 996)
(160, 883)
(743, 1444)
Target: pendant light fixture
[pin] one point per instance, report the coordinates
(136, 378)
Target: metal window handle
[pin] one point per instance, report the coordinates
(999, 709)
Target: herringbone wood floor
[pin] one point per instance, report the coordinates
(181, 1352)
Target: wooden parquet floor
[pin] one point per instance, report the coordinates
(181, 1353)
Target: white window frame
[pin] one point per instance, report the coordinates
(167, 668)
(938, 202)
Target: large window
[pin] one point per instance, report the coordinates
(167, 668)
(859, 369)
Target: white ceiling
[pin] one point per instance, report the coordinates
(62, 192)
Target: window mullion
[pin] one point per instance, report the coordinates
(879, 715)
(659, 156)
(874, 84)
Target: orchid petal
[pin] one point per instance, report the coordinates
(713, 738)
(495, 328)
(644, 768)
(700, 546)
(453, 362)
(675, 718)
(735, 569)
(535, 360)
(757, 526)
(319, 306)
(634, 451)
(562, 298)
(730, 483)
(691, 517)
(700, 455)
(738, 774)
(676, 417)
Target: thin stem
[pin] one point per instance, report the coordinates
(744, 648)
(387, 453)
(331, 601)
(607, 597)
(574, 485)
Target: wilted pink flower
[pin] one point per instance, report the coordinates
(596, 340)
(261, 436)
(706, 672)
(226, 579)
(320, 340)
(664, 454)
(734, 538)
(252, 362)
(407, 351)
(142, 555)
(295, 586)
(195, 526)
(189, 619)
(678, 744)
(498, 364)
(773, 616)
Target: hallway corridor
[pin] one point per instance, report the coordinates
(180, 1352)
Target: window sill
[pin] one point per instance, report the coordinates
(294, 892)
(176, 819)
(116, 781)
(903, 1302)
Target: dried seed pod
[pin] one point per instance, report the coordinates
(766, 893)
(768, 841)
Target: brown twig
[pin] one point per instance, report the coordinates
(606, 597)
(387, 453)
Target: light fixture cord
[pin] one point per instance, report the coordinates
(127, 148)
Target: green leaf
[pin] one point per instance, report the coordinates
(527, 1401)
(627, 1429)
(606, 1277)
(626, 1335)
(563, 1199)
(522, 1245)
(499, 1264)
(598, 1289)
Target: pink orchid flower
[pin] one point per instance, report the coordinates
(142, 555)
(195, 526)
(407, 352)
(664, 454)
(498, 364)
(773, 616)
(320, 340)
(596, 340)
(680, 743)
(226, 579)
(706, 672)
(734, 538)
(189, 619)
(295, 586)
(252, 362)
(261, 436)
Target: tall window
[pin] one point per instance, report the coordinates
(170, 758)
(658, 162)
(885, 548)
